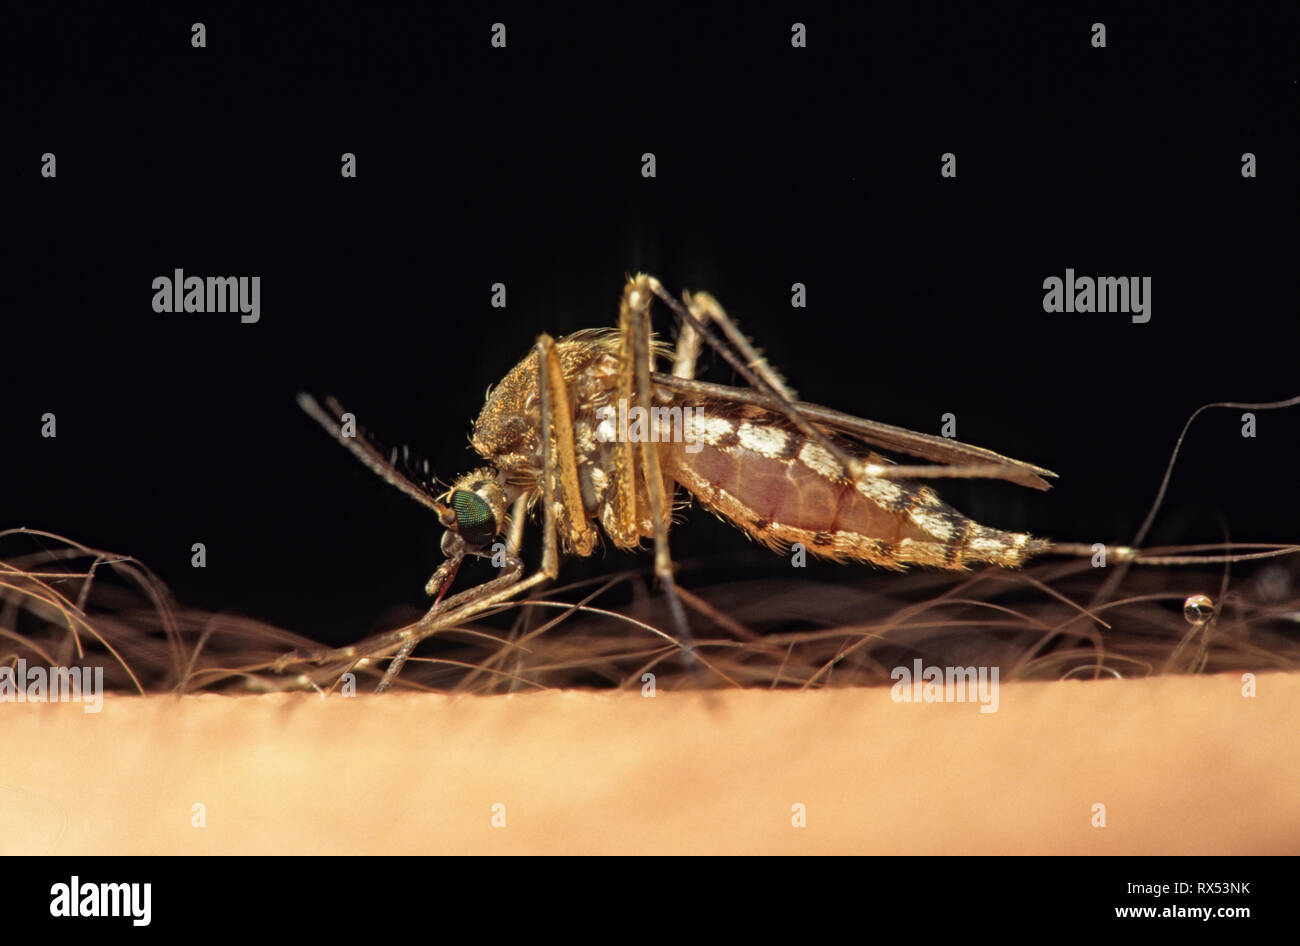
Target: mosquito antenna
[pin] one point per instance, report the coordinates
(366, 452)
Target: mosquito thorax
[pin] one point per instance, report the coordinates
(507, 431)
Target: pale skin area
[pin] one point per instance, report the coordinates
(1183, 764)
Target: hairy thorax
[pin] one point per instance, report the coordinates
(508, 431)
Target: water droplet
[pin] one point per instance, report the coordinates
(1198, 609)
(1090, 670)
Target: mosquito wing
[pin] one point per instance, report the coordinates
(990, 465)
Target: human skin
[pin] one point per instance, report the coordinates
(1182, 764)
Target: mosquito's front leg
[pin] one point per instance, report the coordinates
(434, 588)
(559, 475)
(560, 462)
(446, 613)
(518, 515)
(559, 466)
(464, 606)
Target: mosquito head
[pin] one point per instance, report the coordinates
(474, 509)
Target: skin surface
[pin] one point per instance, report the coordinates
(1183, 765)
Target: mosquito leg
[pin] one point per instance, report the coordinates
(688, 343)
(560, 460)
(436, 588)
(706, 308)
(459, 607)
(634, 322)
(518, 514)
(464, 606)
(442, 576)
(449, 612)
(396, 664)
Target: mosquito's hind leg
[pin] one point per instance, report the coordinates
(706, 308)
(688, 346)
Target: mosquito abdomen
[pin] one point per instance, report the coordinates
(775, 484)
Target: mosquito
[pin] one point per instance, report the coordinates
(781, 470)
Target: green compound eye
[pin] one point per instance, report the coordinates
(474, 519)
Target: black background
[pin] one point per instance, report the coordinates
(522, 165)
